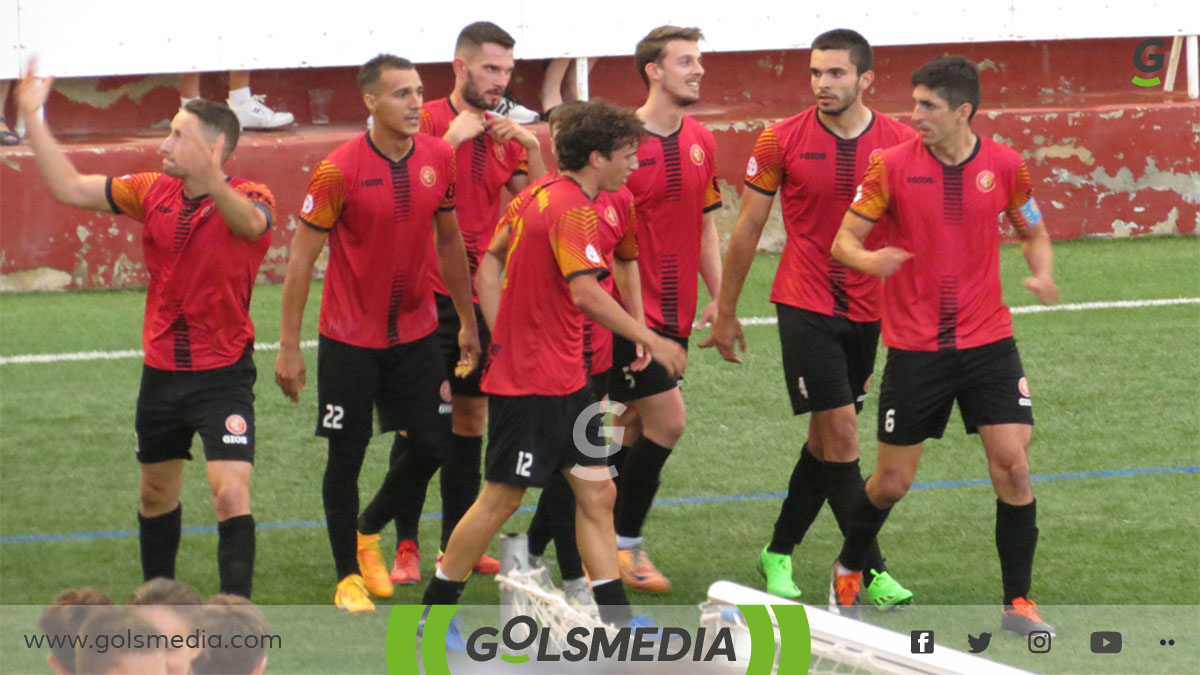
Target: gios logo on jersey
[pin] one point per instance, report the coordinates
(428, 176)
(610, 215)
(236, 426)
(752, 167)
(697, 154)
(875, 154)
(985, 181)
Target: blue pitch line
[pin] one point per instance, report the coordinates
(211, 529)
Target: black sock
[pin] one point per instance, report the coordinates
(614, 606)
(1016, 541)
(805, 497)
(408, 477)
(864, 523)
(235, 554)
(617, 461)
(561, 503)
(843, 483)
(339, 491)
(442, 592)
(159, 540)
(460, 481)
(399, 447)
(642, 470)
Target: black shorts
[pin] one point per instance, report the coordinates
(624, 385)
(599, 384)
(173, 405)
(827, 360)
(531, 437)
(919, 388)
(447, 336)
(402, 383)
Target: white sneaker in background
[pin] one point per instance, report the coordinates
(254, 114)
(517, 112)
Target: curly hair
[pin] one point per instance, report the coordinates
(953, 78)
(595, 126)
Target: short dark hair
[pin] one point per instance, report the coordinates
(227, 616)
(953, 78)
(218, 119)
(861, 54)
(595, 126)
(372, 71)
(163, 591)
(481, 33)
(65, 615)
(653, 47)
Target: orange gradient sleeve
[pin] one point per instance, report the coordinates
(261, 195)
(1022, 210)
(712, 195)
(326, 197)
(126, 194)
(871, 200)
(764, 170)
(426, 123)
(574, 241)
(627, 248)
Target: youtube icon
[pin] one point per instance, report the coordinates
(1106, 642)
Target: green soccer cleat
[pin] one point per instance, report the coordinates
(776, 568)
(886, 593)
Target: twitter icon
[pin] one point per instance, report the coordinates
(980, 643)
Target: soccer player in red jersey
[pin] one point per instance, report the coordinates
(948, 332)
(491, 152)
(675, 192)
(828, 314)
(204, 237)
(373, 199)
(534, 375)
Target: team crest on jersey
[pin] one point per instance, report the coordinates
(308, 205)
(752, 167)
(1023, 386)
(428, 176)
(235, 424)
(985, 181)
(875, 154)
(499, 151)
(206, 211)
(697, 154)
(610, 214)
(592, 254)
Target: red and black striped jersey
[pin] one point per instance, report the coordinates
(484, 167)
(815, 173)
(674, 186)
(948, 295)
(379, 216)
(201, 273)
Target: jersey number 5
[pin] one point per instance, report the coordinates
(333, 416)
(524, 460)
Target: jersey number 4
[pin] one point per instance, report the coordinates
(524, 460)
(333, 416)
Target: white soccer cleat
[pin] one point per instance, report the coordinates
(254, 114)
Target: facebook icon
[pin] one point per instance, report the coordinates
(922, 641)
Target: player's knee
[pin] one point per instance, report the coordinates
(597, 496)
(668, 429)
(1013, 470)
(889, 487)
(841, 439)
(229, 501)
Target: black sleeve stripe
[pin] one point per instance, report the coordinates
(873, 220)
(759, 190)
(623, 259)
(318, 228)
(520, 172)
(443, 209)
(712, 207)
(600, 272)
(266, 211)
(108, 195)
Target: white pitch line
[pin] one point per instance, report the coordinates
(747, 321)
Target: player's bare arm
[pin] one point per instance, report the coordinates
(1035, 244)
(289, 364)
(452, 260)
(591, 298)
(628, 280)
(66, 184)
(727, 330)
(710, 267)
(488, 276)
(503, 130)
(200, 160)
(848, 248)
